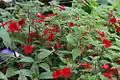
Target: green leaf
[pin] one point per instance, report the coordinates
(35, 69)
(103, 77)
(26, 72)
(22, 77)
(76, 53)
(117, 42)
(27, 59)
(45, 53)
(11, 72)
(63, 60)
(2, 76)
(114, 47)
(103, 61)
(104, 1)
(70, 39)
(5, 36)
(45, 66)
(46, 75)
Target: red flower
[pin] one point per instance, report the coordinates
(37, 15)
(106, 43)
(30, 40)
(111, 14)
(66, 72)
(102, 34)
(86, 32)
(118, 61)
(49, 15)
(40, 21)
(20, 65)
(108, 75)
(28, 49)
(53, 29)
(119, 21)
(106, 66)
(112, 20)
(21, 22)
(115, 71)
(33, 34)
(94, 55)
(56, 14)
(57, 46)
(22, 46)
(82, 49)
(98, 39)
(117, 29)
(50, 38)
(86, 65)
(89, 47)
(42, 16)
(71, 24)
(4, 23)
(46, 31)
(56, 74)
(4, 69)
(62, 8)
(13, 27)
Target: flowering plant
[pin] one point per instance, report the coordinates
(70, 43)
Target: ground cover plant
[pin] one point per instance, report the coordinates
(70, 43)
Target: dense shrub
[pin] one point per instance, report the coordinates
(72, 43)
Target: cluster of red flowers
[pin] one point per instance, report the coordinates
(28, 49)
(51, 31)
(114, 21)
(86, 65)
(15, 26)
(109, 71)
(20, 65)
(4, 23)
(4, 69)
(42, 17)
(65, 72)
(105, 42)
(30, 36)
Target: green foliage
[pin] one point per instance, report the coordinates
(69, 38)
(46, 75)
(76, 53)
(2, 76)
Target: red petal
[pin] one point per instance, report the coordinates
(112, 20)
(106, 43)
(66, 72)
(28, 49)
(56, 74)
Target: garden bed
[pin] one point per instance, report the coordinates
(61, 43)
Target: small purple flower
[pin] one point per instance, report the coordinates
(2, 59)
(6, 51)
